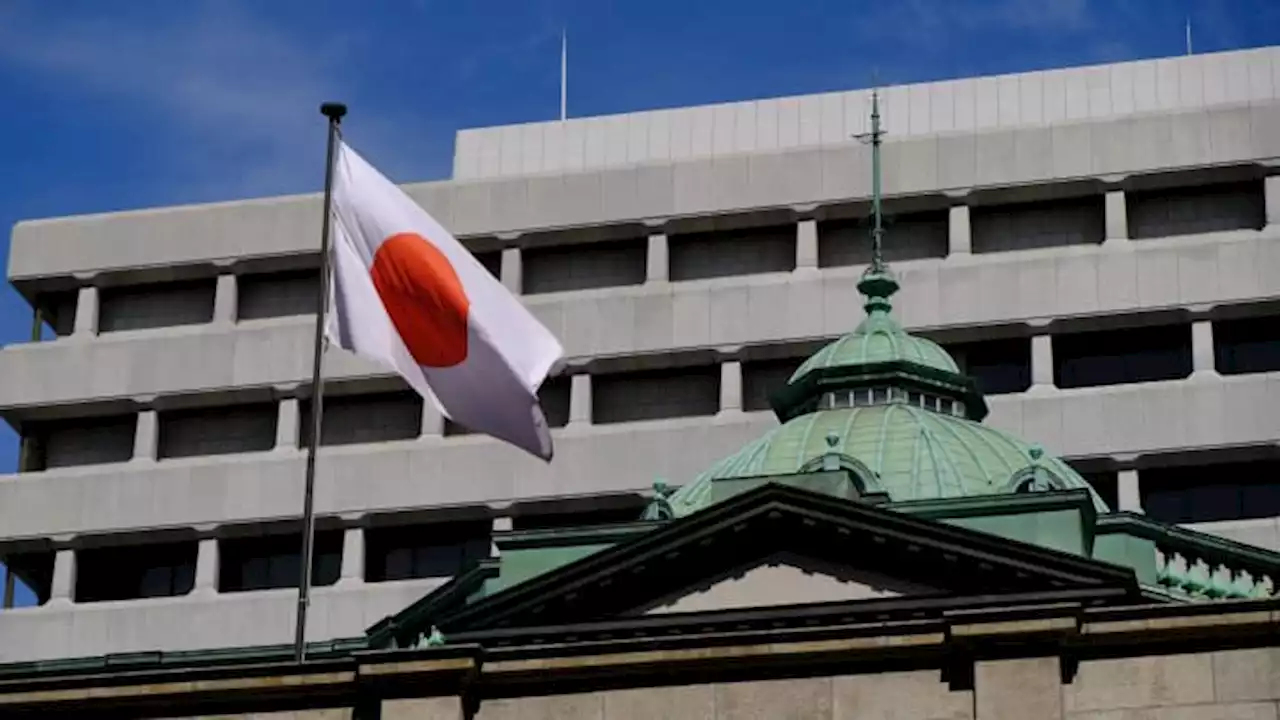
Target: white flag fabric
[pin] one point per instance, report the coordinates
(408, 295)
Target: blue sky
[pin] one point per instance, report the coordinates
(138, 103)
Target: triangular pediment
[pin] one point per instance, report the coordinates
(774, 547)
(782, 579)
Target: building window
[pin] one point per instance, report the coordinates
(553, 396)
(217, 430)
(1189, 210)
(655, 394)
(268, 295)
(1208, 493)
(1113, 357)
(1027, 226)
(996, 366)
(352, 419)
(137, 307)
(137, 571)
(267, 562)
(490, 260)
(911, 236)
(58, 310)
(1247, 346)
(723, 253)
(79, 441)
(762, 378)
(432, 550)
(33, 571)
(584, 513)
(1104, 482)
(584, 266)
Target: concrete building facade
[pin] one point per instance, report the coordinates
(1096, 246)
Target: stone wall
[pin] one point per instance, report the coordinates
(1224, 685)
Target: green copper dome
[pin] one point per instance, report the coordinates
(878, 339)
(893, 411)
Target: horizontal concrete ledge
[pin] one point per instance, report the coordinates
(1123, 420)
(56, 250)
(191, 623)
(1030, 99)
(967, 293)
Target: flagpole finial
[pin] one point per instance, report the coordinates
(333, 110)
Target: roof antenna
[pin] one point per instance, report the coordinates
(564, 73)
(875, 137)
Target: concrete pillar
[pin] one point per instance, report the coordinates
(501, 524)
(226, 300)
(146, 436)
(352, 557)
(512, 270)
(207, 567)
(657, 259)
(959, 231)
(63, 588)
(288, 420)
(1117, 217)
(807, 244)
(1128, 492)
(1202, 355)
(580, 399)
(86, 311)
(432, 420)
(730, 386)
(1042, 362)
(1271, 186)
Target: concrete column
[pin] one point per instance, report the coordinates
(730, 386)
(86, 311)
(1271, 186)
(207, 567)
(432, 420)
(226, 300)
(63, 588)
(146, 436)
(512, 270)
(658, 259)
(1117, 217)
(501, 524)
(352, 557)
(807, 244)
(1202, 356)
(580, 399)
(1042, 362)
(1128, 492)
(959, 231)
(288, 419)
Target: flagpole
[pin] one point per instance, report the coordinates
(335, 112)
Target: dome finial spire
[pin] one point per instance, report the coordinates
(877, 283)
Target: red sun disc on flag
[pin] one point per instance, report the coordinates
(424, 298)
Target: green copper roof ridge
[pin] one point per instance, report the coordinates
(951, 429)
(804, 439)
(884, 432)
(953, 469)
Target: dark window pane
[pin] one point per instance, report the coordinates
(997, 366)
(724, 253)
(218, 430)
(762, 378)
(1201, 209)
(135, 571)
(272, 561)
(907, 237)
(1206, 493)
(656, 394)
(584, 266)
(1247, 346)
(352, 419)
(425, 551)
(281, 294)
(1113, 357)
(137, 307)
